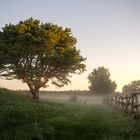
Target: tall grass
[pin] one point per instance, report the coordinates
(23, 119)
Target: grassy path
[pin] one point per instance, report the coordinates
(22, 119)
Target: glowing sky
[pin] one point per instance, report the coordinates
(108, 33)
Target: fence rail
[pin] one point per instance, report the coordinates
(127, 103)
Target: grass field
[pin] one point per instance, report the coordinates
(23, 119)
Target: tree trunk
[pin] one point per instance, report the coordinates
(34, 90)
(35, 94)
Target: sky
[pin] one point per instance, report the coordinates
(107, 31)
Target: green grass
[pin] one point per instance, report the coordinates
(23, 119)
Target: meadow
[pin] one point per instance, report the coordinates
(23, 119)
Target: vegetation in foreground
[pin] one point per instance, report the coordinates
(23, 119)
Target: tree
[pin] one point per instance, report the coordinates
(38, 53)
(100, 82)
(133, 86)
(127, 89)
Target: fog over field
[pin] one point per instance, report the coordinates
(84, 99)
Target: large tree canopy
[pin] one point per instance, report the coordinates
(100, 82)
(38, 53)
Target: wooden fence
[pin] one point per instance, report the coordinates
(127, 103)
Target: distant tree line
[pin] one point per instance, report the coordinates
(65, 92)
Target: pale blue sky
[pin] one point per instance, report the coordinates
(108, 33)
